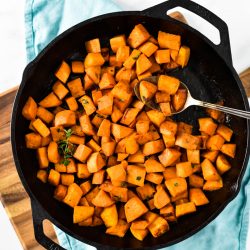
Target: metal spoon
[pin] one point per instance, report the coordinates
(189, 102)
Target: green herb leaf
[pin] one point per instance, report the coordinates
(84, 101)
(136, 57)
(138, 178)
(176, 184)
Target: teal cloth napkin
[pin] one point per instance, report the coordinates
(44, 20)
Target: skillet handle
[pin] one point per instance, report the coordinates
(223, 48)
(38, 217)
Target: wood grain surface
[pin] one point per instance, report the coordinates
(12, 193)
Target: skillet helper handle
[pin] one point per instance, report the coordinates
(223, 48)
(38, 217)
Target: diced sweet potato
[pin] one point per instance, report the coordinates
(102, 199)
(30, 108)
(86, 125)
(153, 166)
(158, 227)
(136, 175)
(33, 140)
(60, 192)
(77, 67)
(229, 149)
(53, 153)
(131, 145)
(146, 191)
(109, 216)
(93, 59)
(184, 169)
(176, 186)
(57, 133)
(138, 36)
(107, 81)
(76, 88)
(82, 153)
(67, 179)
(213, 185)
(183, 56)
(142, 64)
(139, 224)
(153, 147)
(197, 196)
(82, 213)
(161, 198)
(134, 208)
(50, 101)
(87, 104)
(117, 174)
(215, 142)
(41, 128)
(187, 141)
(148, 48)
(225, 132)
(45, 115)
(155, 178)
(167, 40)
(196, 181)
(120, 131)
(162, 56)
(169, 156)
(119, 229)
(168, 84)
(60, 90)
(169, 173)
(42, 175)
(179, 99)
(209, 171)
(185, 208)
(93, 45)
(105, 105)
(65, 118)
(222, 164)
(95, 162)
(54, 177)
(210, 155)
(207, 125)
(147, 90)
(117, 42)
(63, 72)
(156, 117)
(42, 156)
(94, 72)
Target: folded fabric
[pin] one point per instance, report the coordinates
(44, 20)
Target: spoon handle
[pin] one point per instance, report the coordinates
(237, 112)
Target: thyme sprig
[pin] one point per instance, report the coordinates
(66, 148)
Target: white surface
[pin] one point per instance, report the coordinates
(13, 59)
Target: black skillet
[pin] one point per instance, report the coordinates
(210, 76)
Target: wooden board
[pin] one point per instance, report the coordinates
(12, 193)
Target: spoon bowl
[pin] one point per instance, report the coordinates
(190, 101)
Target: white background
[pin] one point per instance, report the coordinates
(13, 59)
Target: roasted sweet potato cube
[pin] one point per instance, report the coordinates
(67, 179)
(42, 175)
(168, 128)
(105, 105)
(60, 192)
(229, 149)
(197, 196)
(102, 199)
(169, 173)
(65, 118)
(41, 128)
(107, 81)
(82, 213)
(162, 97)
(76, 88)
(162, 56)
(169, 156)
(82, 153)
(148, 48)
(139, 224)
(130, 61)
(142, 127)
(63, 72)
(196, 181)
(170, 41)
(193, 156)
(119, 229)
(60, 90)
(93, 59)
(145, 192)
(184, 169)
(120, 131)
(185, 208)
(94, 146)
(53, 153)
(30, 108)
(225, 132)
(147, 90)
(44, 115)
(158, 227)
(156, 117)
(86, 125)
(109, 216)
(87, 104)
(77, 67)
(153, 147)
(161, 198)
(82, 171)
(179, 99)
(122, 53)
(74, 194)
(222, 164)
(42, 157)
(213, 185)
(183, 56)
(117, 42)
(33, 140)
(57, 133)
(93, 45)
(95, 162)
(136, 175)
(210, 155)
(50, 101)
(176, 186)
(207, 125)
(94, 72)
(138, 36)
(86, 187)
(215, 142)
(168, 84)
(134, 208)
(187, 141)
(54, 177)
(142, 64)
(209, 171)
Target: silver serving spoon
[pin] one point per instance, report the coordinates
(189, 102)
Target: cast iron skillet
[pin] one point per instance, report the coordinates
(210, 76)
